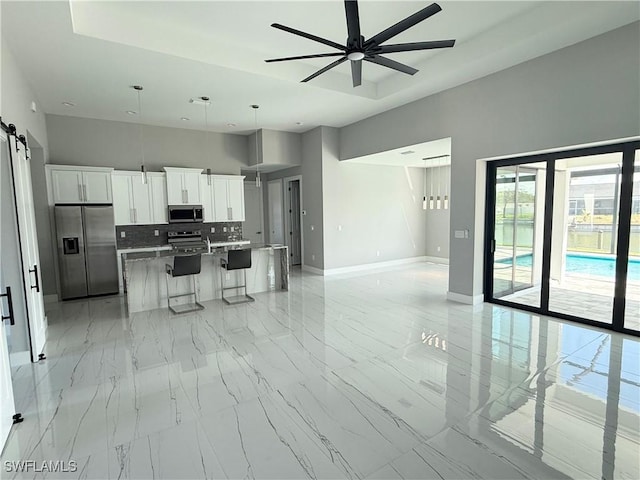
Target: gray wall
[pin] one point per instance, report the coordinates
(372, 213)
(84, 141)
(584, 93)
(312, 198)
(437, 221)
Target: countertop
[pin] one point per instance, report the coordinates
(166, 251)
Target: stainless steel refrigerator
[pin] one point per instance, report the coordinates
(86, 250)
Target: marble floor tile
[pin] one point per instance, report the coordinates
(361, 375)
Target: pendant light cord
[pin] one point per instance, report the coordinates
(138, 90)
(255, 122)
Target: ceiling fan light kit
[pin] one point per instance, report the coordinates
(357, 49)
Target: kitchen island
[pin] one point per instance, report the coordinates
(146, 281)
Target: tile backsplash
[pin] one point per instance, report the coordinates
(137, 236)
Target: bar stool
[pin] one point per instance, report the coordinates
(184, 265)
(236, 260)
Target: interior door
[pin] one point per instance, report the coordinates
(29, 248)
(7, 406)
(295, 243)
(253, 226)
(276, 220)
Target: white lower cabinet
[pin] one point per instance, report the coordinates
(138, 203)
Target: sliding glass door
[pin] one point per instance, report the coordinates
(517, 259)
(563, 235)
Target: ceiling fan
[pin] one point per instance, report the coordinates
(358, 49)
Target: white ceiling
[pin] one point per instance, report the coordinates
(89, 53)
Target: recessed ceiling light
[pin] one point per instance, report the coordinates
(231, 124)
(68, 104)
(200, 101)
(185, 119)
(407, 152)
(299, 123)
(131, 112)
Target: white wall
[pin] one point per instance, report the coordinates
(584, 93)
(16, 96)
(372, 213)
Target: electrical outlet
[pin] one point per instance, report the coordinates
(213, 229)
(156, 233)
(123, 234)
(339, 228)
(313, 257)
(224, 229)
(377, 253)
(438, 248)
(227, 276)
(312, 228)
(233, 229)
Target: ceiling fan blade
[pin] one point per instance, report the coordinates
(356, 73)
(403, 25)
(328, 67)
(309, 36)
(408, 47)
(387, 62)
(301, 57)
(353, 23)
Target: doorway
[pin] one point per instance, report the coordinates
(563, 235)
(293, 212)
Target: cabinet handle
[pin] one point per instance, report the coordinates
(84, 192)
(80, 192)
(229, 213)
(186, 195)
(135, 215)
(9, 317)
(131, 215)
(37, 285)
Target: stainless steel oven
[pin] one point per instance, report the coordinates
(185, 213)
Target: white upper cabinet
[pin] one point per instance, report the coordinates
(228, 198)
(235, 193)
(131, 199)
(137, 203)
(206, 195)
(80, 185)
(158, 192)
(183, 186)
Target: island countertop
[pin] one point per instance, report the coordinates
(146, 283)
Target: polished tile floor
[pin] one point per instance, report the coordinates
(371, 375)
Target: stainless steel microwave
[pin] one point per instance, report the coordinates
(185, 214)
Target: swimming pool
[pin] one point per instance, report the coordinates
(586, 264)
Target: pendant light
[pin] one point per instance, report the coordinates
(438, 200)
(205, 101)
(431, 202)
(143, 171)
(424, 190)
(445, 202)
(255, 121)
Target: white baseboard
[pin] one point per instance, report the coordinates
(310, 269)
(466, 299)
(438, 260)
(19, 358)
(51, 298)
(372, 266)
